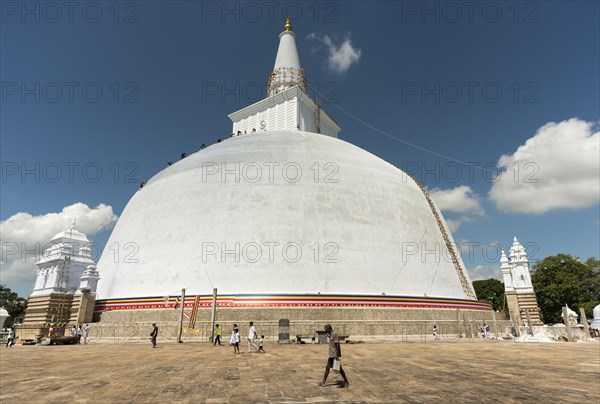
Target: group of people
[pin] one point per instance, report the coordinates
(80, 331)
(485, 332)
(252, 337)
(234, 340)
(333, 360)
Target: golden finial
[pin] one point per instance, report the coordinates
(288, 25)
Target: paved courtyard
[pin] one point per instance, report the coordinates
(393, 372)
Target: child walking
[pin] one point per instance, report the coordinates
(261, 342)
(235, 339)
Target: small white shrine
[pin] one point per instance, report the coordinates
(518, 289)
(66, 265)
(3, 316)
(65, 287)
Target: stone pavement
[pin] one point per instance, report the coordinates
(392, 372)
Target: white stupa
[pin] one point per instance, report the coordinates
(596, 320)
(284, 213)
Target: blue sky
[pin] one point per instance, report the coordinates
(471, 84)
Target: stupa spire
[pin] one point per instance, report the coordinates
(287, 72)
(287, 105)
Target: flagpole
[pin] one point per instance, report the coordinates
(213, 315)
(181, 318)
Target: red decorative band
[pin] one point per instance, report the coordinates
(268, 300)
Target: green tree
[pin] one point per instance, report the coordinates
(14, 305)
(563, 279)
(491, 291)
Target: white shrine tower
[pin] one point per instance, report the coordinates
(518, 289)
(65, 287)
(287, 106)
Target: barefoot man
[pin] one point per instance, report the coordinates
(335, 353)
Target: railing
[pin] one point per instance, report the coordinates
(283, 78)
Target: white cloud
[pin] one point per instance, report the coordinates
(483, 272)
(341, 57)
(461, 200)
(556, 168)
(23, 236)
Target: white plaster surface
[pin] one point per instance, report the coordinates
(596, 320)
(287, 53)
(387, 238)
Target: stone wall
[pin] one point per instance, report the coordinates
(136, 325)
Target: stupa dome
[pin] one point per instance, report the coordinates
(361, 225)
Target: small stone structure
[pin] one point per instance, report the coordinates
(572, 316)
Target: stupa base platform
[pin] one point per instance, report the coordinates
(121, 320)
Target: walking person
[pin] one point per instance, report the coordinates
(261, 343)
(73, 331)
(218, 335)
(153, 335)
(79, 334)
(235, 339)
(436, 336)
(251, 337)
(486, 331)
(335, 354)
(11, 338)
(86, 335)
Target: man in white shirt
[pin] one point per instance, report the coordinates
(11, 338)
(251, 337)
(86, 337)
